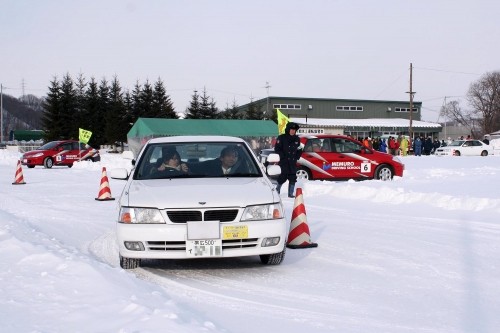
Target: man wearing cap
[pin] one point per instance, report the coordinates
(288, 147)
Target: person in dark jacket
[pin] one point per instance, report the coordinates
(428, 145)
(228, 163)
(170, 164)
(288, 148)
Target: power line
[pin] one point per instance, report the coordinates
(446, 71)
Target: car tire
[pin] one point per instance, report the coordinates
(129, 263)
(484, 153)
(48, 163)
(383, 172)
(456, 153)
(273, 259)
(303, 174)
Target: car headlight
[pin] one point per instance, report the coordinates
(263, 212)
(396, 159)
(140, 215)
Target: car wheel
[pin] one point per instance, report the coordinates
(273, 259)
(48, 163)
(383, 172)
(484, 153)
(456, 153)
(303, 174)
(129, 263)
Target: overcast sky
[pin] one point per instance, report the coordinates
(322, 49)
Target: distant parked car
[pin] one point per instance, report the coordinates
(465, 148)
(64, 152)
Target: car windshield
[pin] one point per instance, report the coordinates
(456, 143)
(196, 160)
(49, 145)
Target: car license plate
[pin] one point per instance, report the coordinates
(204, 247)
(235, 232)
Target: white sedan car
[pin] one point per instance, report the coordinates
(465, 148)
(198, 197)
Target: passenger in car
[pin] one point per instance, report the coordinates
(171, 162)
(228, 163)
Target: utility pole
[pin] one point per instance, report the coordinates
(267, 86)
(411, 92)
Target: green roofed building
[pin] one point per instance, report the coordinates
(258, 133)
(27, 135)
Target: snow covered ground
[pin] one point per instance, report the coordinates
(418, 254)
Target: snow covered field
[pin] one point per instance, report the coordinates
(418, 254)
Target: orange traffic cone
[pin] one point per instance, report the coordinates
(19, 179)
(299, 236)
(104, 190)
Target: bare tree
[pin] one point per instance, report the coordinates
(453, 111)
(484, 98)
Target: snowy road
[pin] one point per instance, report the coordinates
(419, 254)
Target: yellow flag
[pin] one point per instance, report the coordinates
(84, 135)
(282, 121)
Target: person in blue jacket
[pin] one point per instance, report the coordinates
(417, 146)
(383, 146)
(288, 148)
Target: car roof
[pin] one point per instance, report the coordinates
(197, 138)
(321, 136)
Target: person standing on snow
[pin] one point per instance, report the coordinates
(417, 146)
(288, 148)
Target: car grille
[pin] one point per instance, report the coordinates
(181, 245)
(182, 216)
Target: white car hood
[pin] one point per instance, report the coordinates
(198, 193)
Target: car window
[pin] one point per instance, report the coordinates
(66, 146)
(197, 160)
(476, 143)
(348, 146)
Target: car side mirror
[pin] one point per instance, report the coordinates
(273, 158)
(273, 170)
(120, 173)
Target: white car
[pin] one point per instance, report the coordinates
(197, 211)
(465, 148)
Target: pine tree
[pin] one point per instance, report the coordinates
(51, 118)
(254, 111)
(98, 118)
(162, 105)
(128, 118)
(232, 113)
(115, 116)
(193, 110)
(80, 85)
(68, 111)
(146, 101)
(208, 110)
(91, 110)
(135, 110)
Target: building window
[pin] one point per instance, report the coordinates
(405, 109)
(349, 108)
(287, 106)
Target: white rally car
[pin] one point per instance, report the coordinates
(196, 210)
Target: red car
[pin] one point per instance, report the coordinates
(339, 157)
(64, 152)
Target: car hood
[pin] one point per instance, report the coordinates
(198, 193)
(33, 152)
